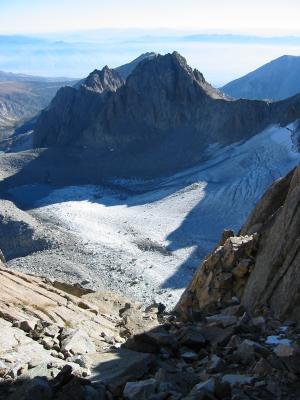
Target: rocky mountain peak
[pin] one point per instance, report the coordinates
(171, 71)
(163, 106)
(103, 80)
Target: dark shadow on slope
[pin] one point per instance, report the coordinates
(199, 230)
(50, 169)
(36, 180)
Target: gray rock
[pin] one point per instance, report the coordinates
(215, 364)
(27, 325)
(192, 338)
(41, 370)
(189, 356)
(283, 350)
(51, 330)
(140, 390)
(201, 388)
(78, 342)
(279, 241)
(224, 320)
(249, 346)
(237, 379)
(80, 360)
(114, 369)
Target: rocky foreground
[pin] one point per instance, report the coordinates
(235, 333)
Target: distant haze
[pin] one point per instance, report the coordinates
(220, 57)
(223, 39)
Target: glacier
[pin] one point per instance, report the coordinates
(145, 238)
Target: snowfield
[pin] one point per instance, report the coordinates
(145, 238)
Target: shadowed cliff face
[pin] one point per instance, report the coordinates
(165, 114)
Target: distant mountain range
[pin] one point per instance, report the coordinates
(276, 80)
(23, 97)
(10, 76)
(163, 118)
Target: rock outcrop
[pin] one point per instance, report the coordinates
(58, 345)
(261, 266)
(106, 80)
(20, 233)
(275, 279)
(45, 327)
(162, 119)
(221, 277)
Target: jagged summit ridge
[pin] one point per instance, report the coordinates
(102, 81)
(105, 80)
(170, 70)
(161, 119)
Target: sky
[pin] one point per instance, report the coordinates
(77, 36)
(37, 16)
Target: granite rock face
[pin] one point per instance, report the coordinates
(221, 277)
(275, 279)
(160, 120)
(261, 266)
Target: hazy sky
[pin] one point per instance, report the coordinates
(72, 41)
(27, 16)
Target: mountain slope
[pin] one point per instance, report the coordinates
(14, 77)
(162, 119)
(150, 232)
(276, 80)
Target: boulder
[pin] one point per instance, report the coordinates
(223, 320)
(140, 390)
(202, 388)
(114, 369)
(77, 342)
